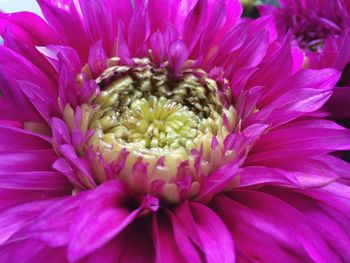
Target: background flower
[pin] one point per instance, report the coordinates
(321, 29)
(269, 185)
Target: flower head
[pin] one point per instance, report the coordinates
(321, 30)
(318, 27)
(141, 133)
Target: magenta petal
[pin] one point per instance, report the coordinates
(62, 166)
(60, 132)
(37, 32)
(97, 59)
(15, 218)
(31, 251)
(195, 24)
(52, 53)
(157, 7)
(180, 11)
(97, 18)
(160, 43)
(123, 10)
(203, 226)
(10, 109)
(256, 234)
(68, 86)
(254, 51)
(266, 175)
(340, 167)
(302, 172)
(332, 220)
(122, 248)
(17, 139)
(21, 67)
(89, 88)
(49, 229)
(220, 179)
(84, 220)
(81, 165)
(139, 28)
(216, 21)
(229, 44)
(178, 54)
(66, 21)
(30, 160)
(222, 17)
(98, 222)
(234, 11)
(166, 247)
(122, 48)
(159, 47)
(344, 54)
(318, 80)
(13, 197)
(248, 101)
(277, 218)
(187, 247)
(270, 68)
(265, 10)
(286, 141)
(37, 180)
(27, 51)
(305, 91)
(45, 103)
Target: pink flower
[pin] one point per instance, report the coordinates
(171, 131)
(317, 26)
(321, 30)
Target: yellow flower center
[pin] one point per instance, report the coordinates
(162, 123)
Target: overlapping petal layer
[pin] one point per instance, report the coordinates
(267, 201)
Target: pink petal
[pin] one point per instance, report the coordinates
(203, 226)
(123, 10)
(53, 52)
(194, 24)
(13, 197)
(32, 251)
(260, 175)
(139, 28)
(286, 141)
(37, 32)
(17, 139)
(38, 180)
(98, 23)
(97, 59)
(99, 222)
(254, 51)
(278, 219)
(17, 217)
(268, 71)
(122, 247)
(166, 248)
(45, 103)
(65, 20)
(178, 54)
(28, 51)
(29, 160)
(187, 247)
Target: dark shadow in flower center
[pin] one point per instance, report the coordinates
(311, 33)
